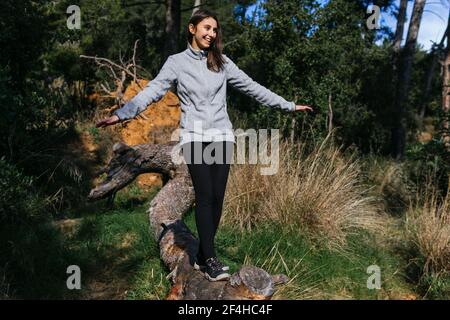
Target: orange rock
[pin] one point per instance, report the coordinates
(155, 125)
(424, 137)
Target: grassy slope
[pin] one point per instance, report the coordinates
(120, 259)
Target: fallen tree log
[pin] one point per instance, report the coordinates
(178, 246)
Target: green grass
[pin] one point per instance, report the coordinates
(119, 258)
(123, 257)
(317, 271)
(123, 254)
(95, 133)
(114, 249)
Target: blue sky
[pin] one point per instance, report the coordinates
(434, 20)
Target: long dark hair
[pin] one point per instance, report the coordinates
(215, 60)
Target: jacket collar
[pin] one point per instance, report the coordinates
(196, 54)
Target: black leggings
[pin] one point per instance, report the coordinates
(209, 177)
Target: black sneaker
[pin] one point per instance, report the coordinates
(198, 265)
(213, 270)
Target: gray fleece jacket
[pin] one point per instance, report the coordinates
(202, 95)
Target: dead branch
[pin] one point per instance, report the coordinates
(178, 246)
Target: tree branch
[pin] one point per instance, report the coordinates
(141, 3)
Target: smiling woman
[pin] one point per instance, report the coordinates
(201, 73)
(204, 33)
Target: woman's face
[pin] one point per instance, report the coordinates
(204, 33)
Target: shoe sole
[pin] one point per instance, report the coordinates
(223, 276)
(198, 268)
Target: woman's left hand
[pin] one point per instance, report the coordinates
(303, 108)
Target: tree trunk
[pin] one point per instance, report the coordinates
(436, 52)
(401, 19)
(172, 29)
(178, 246)
(446, 94)
(404, 78)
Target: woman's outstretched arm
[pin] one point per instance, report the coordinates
(241, 81)
(154, 91)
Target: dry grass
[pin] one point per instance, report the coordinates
(392, 184)
(320, 192)
(300, 285)
(428, 230)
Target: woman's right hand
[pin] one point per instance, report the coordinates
(107, 121)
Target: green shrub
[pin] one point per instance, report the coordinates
(19, 202)
(430, 160)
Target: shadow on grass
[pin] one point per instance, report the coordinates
(115, 251)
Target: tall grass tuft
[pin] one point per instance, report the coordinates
(319, 192)
(428, 230)
(392, 183)
(300, 286)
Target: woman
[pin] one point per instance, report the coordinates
(201, 73)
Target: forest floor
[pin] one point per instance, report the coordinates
(119, 258)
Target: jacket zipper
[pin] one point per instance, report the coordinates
(209, 119)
